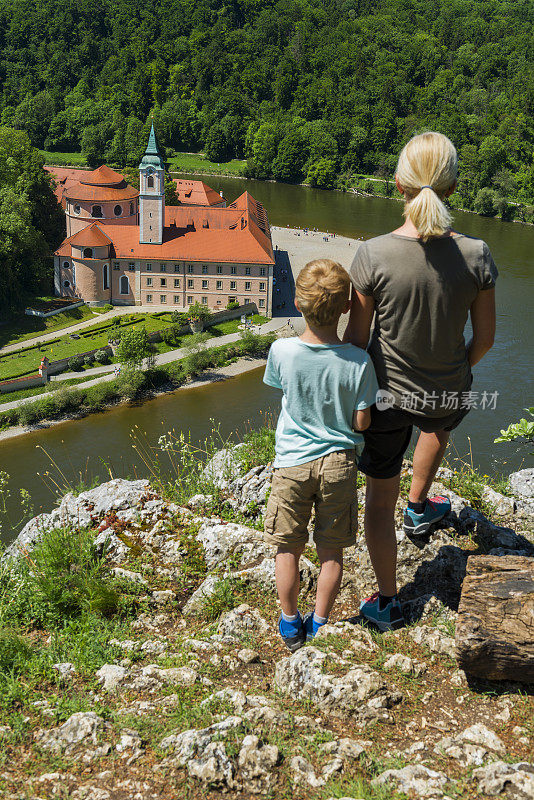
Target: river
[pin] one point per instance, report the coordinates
(101, 444)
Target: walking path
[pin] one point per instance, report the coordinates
(106, 372)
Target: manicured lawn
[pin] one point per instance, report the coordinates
(25, 327)
(66, 159)
(195, 162)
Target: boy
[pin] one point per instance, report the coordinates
(328, 388)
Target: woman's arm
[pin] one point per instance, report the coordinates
(483, 323)
(360, 319)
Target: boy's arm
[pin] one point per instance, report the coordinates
(361, 419)
(271, 375)
(360, 319)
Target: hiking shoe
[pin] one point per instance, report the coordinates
(418, 524)
(310, 625)
(292, 633)
(389, 619)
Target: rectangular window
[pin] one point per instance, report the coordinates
(262, 287)
(176, 299)
(262, 271)
(163, 298)
(262, 303)
(247, 286)
(190, 268)
(218, 302)
(189, 300)
(233, 285)
(177, 283)
(204, 284)
(233, 270)
(246, 300)
(190, 283)
(116, 265)
(219, 270)
(149, 267)
(163, 267)
(149, 298)
(177, 268)
(149, 281)
(232, 299)
(204, 301)
(163, 281)
(247, 270)
(219, 284)
(131, 266)
(204, 269)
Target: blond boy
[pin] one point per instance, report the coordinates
(328, 389)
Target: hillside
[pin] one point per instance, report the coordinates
(302, 89)
(139, 656)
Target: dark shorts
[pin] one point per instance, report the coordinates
(388, 436)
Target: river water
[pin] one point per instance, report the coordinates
(101, 444)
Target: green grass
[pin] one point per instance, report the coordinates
(39, 390)
(66, 159)
(195, 162)
(23, 327)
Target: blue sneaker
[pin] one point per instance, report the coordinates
(419, 524)
(389, 619)
(310, 625)
(292, 633)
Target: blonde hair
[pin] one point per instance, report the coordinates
(427, 169)
(322, 290)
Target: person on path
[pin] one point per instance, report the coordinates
(420, 283)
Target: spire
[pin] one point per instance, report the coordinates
(152, 156)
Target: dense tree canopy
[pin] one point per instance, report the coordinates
(31, 222)
(288, 84)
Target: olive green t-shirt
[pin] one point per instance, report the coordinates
(422, 293)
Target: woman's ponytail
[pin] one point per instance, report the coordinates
(427, 170)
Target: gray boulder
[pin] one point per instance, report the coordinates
(510, 780)
(420, 780)
(82, 727)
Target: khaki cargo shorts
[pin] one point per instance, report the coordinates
(328, 484)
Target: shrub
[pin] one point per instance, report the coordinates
(88, 361)
(14, 651)
(75, 363)
(179, 318)
(133, 348)
(101, 356)
(232, 304)
(170, 335)
(199, 311)
(485, 202)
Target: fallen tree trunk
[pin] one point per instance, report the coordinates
(495, 627)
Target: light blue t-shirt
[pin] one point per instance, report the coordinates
(323, 385)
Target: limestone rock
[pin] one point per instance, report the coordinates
(196, 602)
(434, 639)
(405, 664)
(256, 762)
(242, 621)
(511, 780)
(84, 726)
(504, 506)
(111, 675)
(65, 669)
(472, 746)
(163, 597)
(220, 541)
(212, 767)
(248, 656)
(361, 692)
(416, 778)
(346, 749)
(188, 744)
(128, 575)
(304, 774)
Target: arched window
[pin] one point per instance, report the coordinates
(117, 211)
(77, 208)
(125, 284)
(88, 252)
(150, 181)
(105, 276)
(96, 211)
(131, 208)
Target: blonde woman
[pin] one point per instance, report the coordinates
(420, 283)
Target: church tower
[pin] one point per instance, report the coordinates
(151, 194)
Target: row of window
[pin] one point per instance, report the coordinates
(96, 211)
(190, 269)
(204, 300)
(205, 284)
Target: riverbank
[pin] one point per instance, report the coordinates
(139, 653)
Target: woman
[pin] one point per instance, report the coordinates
(420, 283)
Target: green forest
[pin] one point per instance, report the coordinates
(302, 89)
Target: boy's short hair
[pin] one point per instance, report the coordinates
(322, 290)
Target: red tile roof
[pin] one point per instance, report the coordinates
(65, 177)
(196, 193)
(235, 234)
(91, 236)
(102, 184)
(103, 176)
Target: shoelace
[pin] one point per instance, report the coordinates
(372, 598)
